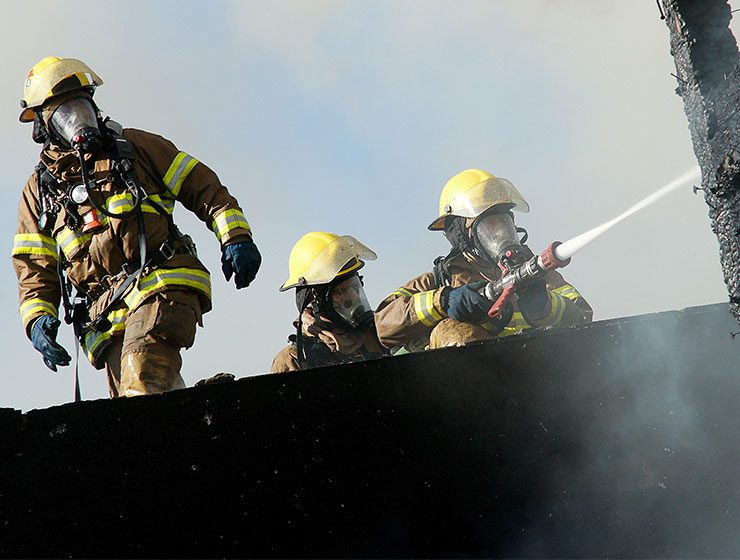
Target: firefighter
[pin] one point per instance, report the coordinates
(95, 230)
(335, 322)
(445, 307)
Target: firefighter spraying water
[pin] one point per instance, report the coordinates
(557, 254)
(446, 307)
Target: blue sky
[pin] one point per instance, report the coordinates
(349, 116)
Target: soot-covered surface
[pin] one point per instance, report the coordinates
(708, 81)
(618, 438)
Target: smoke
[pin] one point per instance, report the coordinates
(615, 439)
(657, 468)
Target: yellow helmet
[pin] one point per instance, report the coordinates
(319, 256)
(473, 191)
(51, 77)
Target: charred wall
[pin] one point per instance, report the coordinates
(617, 438)
(708, 78)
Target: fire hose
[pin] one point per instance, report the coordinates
(558, 255)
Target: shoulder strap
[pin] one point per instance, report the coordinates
(46, 185)
(442, 275)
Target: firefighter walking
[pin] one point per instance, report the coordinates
(95, 232)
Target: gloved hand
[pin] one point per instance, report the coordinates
(466, 305)
(242, 260)
(43, 338)
(534, 301)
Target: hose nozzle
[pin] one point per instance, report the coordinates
(550, 258)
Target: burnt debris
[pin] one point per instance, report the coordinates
(610, 439)
(708, 78)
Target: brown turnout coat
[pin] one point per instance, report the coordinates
(409, 314)
(100, 248)
(287, 359)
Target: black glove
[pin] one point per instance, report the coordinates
(43, 338)
(466, 305)
(534, 301)
(242, 260)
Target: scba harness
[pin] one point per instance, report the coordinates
(55, 195)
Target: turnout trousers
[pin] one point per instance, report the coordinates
(146, 359)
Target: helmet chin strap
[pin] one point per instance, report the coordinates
(40, 133)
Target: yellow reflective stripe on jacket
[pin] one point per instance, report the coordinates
(425, 310)
(557, 310)
(124, 202)
(567, 291)
(96, 342)
(34, 244)
(178, 171)
(69, 240)
(163, 277)
(165, 202)
(36, 306)
(229, 220)
(517, 324)
(402, 292)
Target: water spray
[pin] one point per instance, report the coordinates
(557, 254)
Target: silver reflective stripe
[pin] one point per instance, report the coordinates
(38, 244)
(164, 276)
(68, 238)
(174, 183)
(230, 220)
(166, 203)
(161, 278)
(114, 205)
(34, 244)
(96, 342)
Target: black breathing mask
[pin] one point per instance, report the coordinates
(342, 301)
(496, 239)
(348, 300)
(74, 124)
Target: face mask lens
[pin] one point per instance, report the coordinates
(72, 117)
(349, 301)
(495, 232)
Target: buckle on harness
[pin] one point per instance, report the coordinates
(167, 251)
(101, 324)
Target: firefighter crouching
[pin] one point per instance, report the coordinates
(335, 322)
(95, 230)
(445, 307)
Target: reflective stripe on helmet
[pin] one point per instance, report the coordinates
(229, 220)
(178, 171)
(34, 244)
(166, 277)
(32, 308)
(425, 310)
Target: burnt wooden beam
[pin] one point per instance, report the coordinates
(708, 72)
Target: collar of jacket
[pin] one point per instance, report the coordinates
(65, 165)
(464, 270)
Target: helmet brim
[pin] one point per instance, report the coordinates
(479, 198)
(343, 256)
(27, 115)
